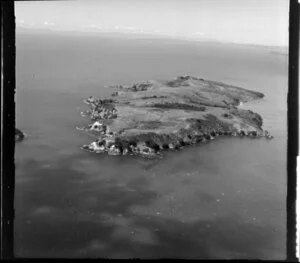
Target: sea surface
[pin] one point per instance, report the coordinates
(222, 199)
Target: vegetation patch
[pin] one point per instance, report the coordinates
(178, 106)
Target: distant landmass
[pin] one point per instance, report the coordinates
(283, 50)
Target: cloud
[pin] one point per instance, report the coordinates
(199, 33)
(24, 24)
(46, 23)
(92, 26)
(129, 28)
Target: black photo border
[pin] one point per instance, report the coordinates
(8, 84)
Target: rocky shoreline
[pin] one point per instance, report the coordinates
(19, 136)
(149, 117)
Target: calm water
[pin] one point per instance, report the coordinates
(223, 199)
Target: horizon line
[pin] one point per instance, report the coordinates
(154, 34)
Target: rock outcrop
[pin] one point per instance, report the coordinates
(153, 116)
(19, 136)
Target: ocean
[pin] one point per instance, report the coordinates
(220, 200)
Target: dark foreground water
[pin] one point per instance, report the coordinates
(223, 199)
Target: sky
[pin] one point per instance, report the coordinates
(260, 22)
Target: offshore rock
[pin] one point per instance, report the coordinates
(19, 136)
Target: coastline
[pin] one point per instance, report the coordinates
(153, 116)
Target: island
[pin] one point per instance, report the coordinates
(149, 117)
